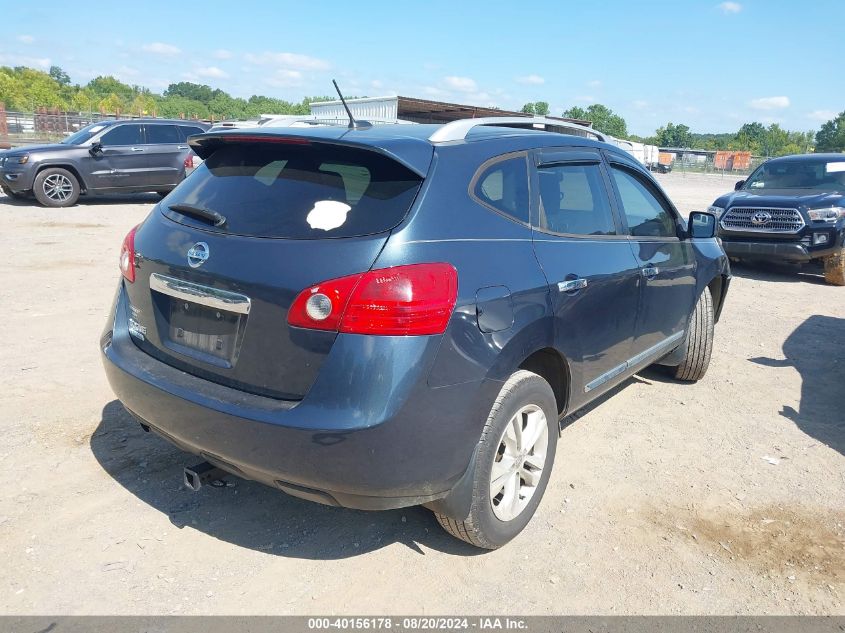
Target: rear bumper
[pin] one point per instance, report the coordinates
(372, 435)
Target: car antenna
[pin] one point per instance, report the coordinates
(353, 124)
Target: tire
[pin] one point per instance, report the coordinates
(834, 269)
(56, 187)
(698, 341)
(492, 521)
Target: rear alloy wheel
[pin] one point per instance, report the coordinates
(834, 269)
(513, 462)
(698, 341)
(56, 187)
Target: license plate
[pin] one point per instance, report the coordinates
(203, 329)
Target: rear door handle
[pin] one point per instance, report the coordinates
(571, 285)
(650, 272)
(182, 147)
(137, 149)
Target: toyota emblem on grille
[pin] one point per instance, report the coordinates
(197, 254)
(761, 218)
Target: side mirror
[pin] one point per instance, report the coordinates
(701, 225)
(96, 148)
(738, 185)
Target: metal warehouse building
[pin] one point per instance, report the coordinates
(410, 109)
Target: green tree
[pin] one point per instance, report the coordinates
(603, 118)
(60, 76)
(110, 104)
(540, 108)
(189, 90)
(104, 87)
(673, 135)
(143, 105)
(831, 136)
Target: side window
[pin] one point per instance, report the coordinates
(189, 130)
(158, 134)
(646, 216)
(574, 200)
(123, 135)
(504, 187)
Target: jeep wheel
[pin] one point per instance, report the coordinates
(698, 341)
(834, 269)
(56, 187)
(513, 461)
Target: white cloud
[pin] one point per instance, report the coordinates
(212, 71)
(770, 103)
(640, 104)
(822, 116)
(222, 53)
(26, 39)
(285, 78)
(462, 84)
(729, 7)
(160, 48)
(293, 61)
(433, 91)
(595, 83)
(691, 110)
(534, 80)
(377, 84)
(22, 60)
(585, 98)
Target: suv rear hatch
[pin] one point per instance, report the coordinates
(220, 261)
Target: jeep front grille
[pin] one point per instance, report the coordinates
(762, 219)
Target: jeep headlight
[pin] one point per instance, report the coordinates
(828, 214)
(717, 211)
(22, 159)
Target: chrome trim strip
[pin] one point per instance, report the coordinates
(203, 295)
(654, 350)
(458, 130)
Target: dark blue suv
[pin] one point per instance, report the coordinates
(401, 315)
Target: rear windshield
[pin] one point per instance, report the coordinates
(298, 191)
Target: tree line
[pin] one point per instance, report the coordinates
(26, 89)
(751, 137)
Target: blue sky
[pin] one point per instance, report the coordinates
(709, 64)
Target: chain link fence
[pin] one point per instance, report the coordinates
(26, 128)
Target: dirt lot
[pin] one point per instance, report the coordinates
(723, 497)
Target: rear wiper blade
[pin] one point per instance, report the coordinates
(200, 213)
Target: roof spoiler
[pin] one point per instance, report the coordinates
(204, 145)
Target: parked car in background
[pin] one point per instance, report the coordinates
(107, 157)
(790, 209)
(398, 315)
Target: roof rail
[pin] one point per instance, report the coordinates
(458, 130)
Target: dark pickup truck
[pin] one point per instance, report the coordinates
(791, 209)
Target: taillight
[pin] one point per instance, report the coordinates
(401, 301)
(127, 256)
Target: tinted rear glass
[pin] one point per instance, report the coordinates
(299, 191)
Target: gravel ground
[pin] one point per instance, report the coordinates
(723, 497)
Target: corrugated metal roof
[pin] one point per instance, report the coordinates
(413, 109)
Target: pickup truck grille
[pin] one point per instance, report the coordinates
(762, 219)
